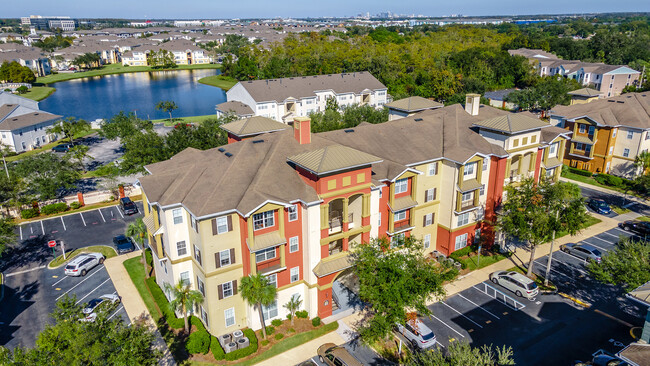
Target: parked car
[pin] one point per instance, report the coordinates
(333, 355)
(584, 251)
(62, 148)
(600, 206)
(107, 302)
(127, 206)
(638, 227)
(418, 334)
(515, 282)
(123, 244)
(83, 263)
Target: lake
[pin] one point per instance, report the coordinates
(105, 96)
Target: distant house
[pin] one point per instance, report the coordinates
(409, 106)
(23, 126)
(31, 57)
(184, 52)
(584, 95)
(497, 99)
(239, 109)
(286, 98)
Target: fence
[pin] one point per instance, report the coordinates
(499, 296)
(14, 86)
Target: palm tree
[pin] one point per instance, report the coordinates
(138, 230)
(293, 305)
(642, 161)
(184, 299)
(257, 291)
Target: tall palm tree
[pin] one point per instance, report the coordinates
(642, 161)
(138, 230)
(184, 299)
(257, 291)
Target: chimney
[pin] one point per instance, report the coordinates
(472, 102)
(302, 130)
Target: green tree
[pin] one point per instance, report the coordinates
(45, 175)
(628, 265)
(7, 233)
(89, 60)
(331, 104)
(141, 149)
(395, 282)
(642, 161)
(167, 106)
(77, 154)
(123, 125)
(293, 305)
(258, 292)
(138, 231)
(22, 89)
(161, 59)
(13, 72)
(70, 127)
(462, 354)
(183, 299)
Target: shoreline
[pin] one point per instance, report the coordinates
(220, 81)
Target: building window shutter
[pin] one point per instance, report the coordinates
(234, 287)
(435, 193)
(229, 223)
(217, 259)
(214, 227)
(220, 292)
(424, 220)
(232, 255)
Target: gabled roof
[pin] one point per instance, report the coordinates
(586, 92)
(235, 107)
(641, 293)
(332, 159)
(414, 104)
(498, 94)
(552, 132)
(511, 123)
(26, 120)
(254, 126)
(631, 110)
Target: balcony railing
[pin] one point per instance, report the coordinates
(401, 226)
(466, 205)
(336, 221)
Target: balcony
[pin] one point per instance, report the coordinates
(270, 266)
(467, 205)
(402, 226)
(336, 247)
(336, 222)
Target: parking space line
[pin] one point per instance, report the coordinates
(21, 232)
(102, 215)
(606, 233)
(601, 248)
(623, 231)
(118, 211)
(116, 311)
(93, 290)
(25, 271)
(573, 256)
(82, 218)
(553, 270)
(479, 306)
(447, 325)
(57, 282)
(57, 299)
(576, 268)
(42, 228)
(63, 222)
(608, 242)
(461, 314)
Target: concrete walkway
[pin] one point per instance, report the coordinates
(133, 303)
(303, 352)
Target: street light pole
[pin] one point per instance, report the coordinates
(550, 254)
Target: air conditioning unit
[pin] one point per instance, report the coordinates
(225, 339)
(237, 335)
(229, 347)
(243, 343)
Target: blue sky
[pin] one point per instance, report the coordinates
(214, 9)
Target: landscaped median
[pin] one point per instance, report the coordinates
(107, 251)
(201, 348)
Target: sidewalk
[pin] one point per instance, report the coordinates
(303, 352)
(133, 304)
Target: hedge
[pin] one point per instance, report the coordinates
(585, 173)
(303, 314)
(216, 349)
(241, 353)
(198, 342)
(276, 322)
(461, 252)
(29, 213)
(279, 336)
(163, 304)
(609, 180)
(75, 205)
(270, 330)
(54, 208)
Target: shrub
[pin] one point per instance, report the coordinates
(291, 330)
(252, 348)
(265, 342)
(163, 304)
(315, 322)
(29, 213)
(216, 349)
(279, 336)
(54, 208)
(288, 316)
(585, 173)
(270, 330)
(276, 322)
(198, 342)
(302, 314)
(461, 252)
(75, 205)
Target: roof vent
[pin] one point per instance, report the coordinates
(250, 82)
(348, 131)
(611, 101)
(221, 149)
(418, 119)
(620, 101)
(228, 154)
(257, 141)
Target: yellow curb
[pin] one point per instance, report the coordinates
(577, 301)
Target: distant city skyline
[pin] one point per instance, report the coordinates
(210, 9)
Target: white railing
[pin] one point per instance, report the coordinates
(498, 295)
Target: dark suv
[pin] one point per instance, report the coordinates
(123, 244)
(127, 206)
(638, 227)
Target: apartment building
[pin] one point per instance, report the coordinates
(287, 98)
(409, 106)
(291, 204)
(608, 134)
(184, 53)
(31, 57)
(23, 126)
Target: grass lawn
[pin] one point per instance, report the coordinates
(39, 92)
(644, 218)
(115, 69)
(593, 182)
(590, 221)
(191, 119)
(220, 81)
(619, 210)
(107, 251)
(136, 271)
(473, 262)
(48, 146)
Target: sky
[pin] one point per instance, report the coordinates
(220, 9)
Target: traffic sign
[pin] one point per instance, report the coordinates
(51, 243)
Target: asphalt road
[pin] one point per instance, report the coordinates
(361, 352)
(31, 290)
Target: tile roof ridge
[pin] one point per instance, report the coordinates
(322, 159)
(509, 122)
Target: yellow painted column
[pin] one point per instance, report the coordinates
(459, 200)
(414, 185)
(365, 208)
(251, 235)
(253, 264)
(324, 216)
(391, 221)
(281, 248)
(345, 209)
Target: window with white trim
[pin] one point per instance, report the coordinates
(401, 185)
(467, 197)
(461, 241)
(427, 241)
(583, 128)
(400, 215)
(177, 213)
(200, 285)
(433, 169)
(430, 195)
(181, 248)
(469, 171)
(194, 224)
(481, 190)
(263, 220)
(428, 219)
(552, 150)
(614, 132)
(273, 279)
(204, 316)
(229, 314)
(626, 153)
(271, 311)
(463, 219)
(197, 255)
(630, 135)
(227, 289)
(222, 225)
(485, 164)
(264, 255)
(295, 274)
(224, 258)
(185, 278)
(293, 212)
(293, 244)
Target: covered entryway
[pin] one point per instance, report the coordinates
(345, 289)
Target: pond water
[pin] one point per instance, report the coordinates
(105, 96)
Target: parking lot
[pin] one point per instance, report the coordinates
(32, 289)
(551, 329)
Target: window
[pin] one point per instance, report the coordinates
(469, 171)
(552, 150)
(295, 274)
(461, 241)
(515, 142)
(204, 316)
(200, 285)
(293, 212)
(400, 215)
(592, 129)
(583, 128)
(379, 219)
(178, 216)
(293, 244)
(229, 314)
(185, 278)
(222, 225)
(227, 289)
(433, 169)
(614, 132)
(263, 220)
(430, 195)
(611, 150)
(626, 153)
(271, 311)
(197, 255)
(463, 219)
(273, 279)
(428, 219)
(468, 196)
(427, 241)
(264, 255)
(401, 185)
(630, 135)
(194, 224)
(485, 164)
(181, 248)
(224, 258)
(579, 146)
(482, 190)
(381, 192)
(587, 149)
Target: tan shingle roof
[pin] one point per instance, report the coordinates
(552, 132)
(333, 264)
(414, 104)
(268, 240)
(582, 139)
(512, 123)
(26, 120)
(235, 107)
(253, 126)
(586, 92)
(403, 203)
(632, 110)
(333, 158)
(642, 293)
(636, 353)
